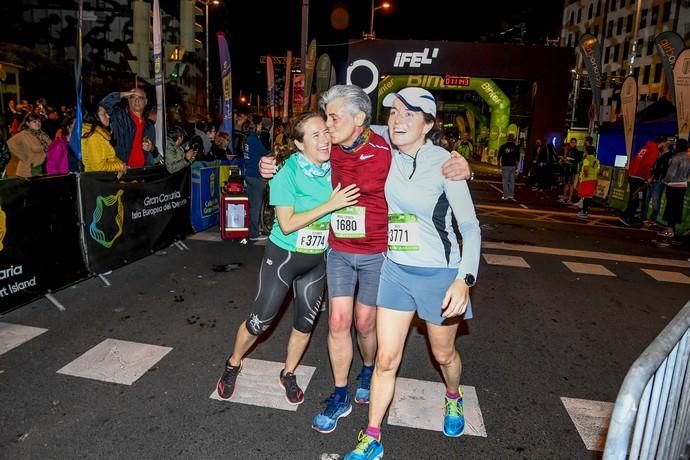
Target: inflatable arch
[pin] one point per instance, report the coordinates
(485, 87)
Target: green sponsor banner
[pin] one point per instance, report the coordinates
(486, 88)
(619, 189)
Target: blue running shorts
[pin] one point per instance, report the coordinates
(420, 289)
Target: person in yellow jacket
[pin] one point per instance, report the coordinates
(97, 153)
(587, 179)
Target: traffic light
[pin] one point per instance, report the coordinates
(188, 25)
(141, 39)
(174, 67)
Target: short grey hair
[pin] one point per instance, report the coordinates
(356, 100)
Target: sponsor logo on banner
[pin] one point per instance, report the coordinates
(629, 110)
(669, 45)
(102, 202)
(414, 58)
(3, 228)
(681, 79)
(591, 52)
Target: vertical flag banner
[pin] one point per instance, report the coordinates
(286, 93)
(332, 80)
(629, 110)
(271, 84)
(226, 80)
(309, 71)
(297, 93)
(323, 73)
(669, 45)
(75, 135)
(590, 49)
(158, 77)
(681, 81)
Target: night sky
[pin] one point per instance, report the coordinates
(257, 28)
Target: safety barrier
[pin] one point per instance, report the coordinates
(651, 417)
(58, 230)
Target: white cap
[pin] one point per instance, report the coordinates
(414, 98)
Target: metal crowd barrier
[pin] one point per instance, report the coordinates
(651, 417)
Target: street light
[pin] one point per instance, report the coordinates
(383, 6)
(208, 79)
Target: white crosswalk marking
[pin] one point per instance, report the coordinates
(207, 235)
(258, 384)
(116, 361)
(419, 404)
(13, 335)
(591, 418)
(588, 269)
(667, 277)
(508, 261)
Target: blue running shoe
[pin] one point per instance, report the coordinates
(326, 420)
(453, 417)
(367, 448)
(363, 386)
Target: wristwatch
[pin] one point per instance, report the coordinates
(470, 280)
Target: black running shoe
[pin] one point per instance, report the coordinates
(226, 382)
(293, 393)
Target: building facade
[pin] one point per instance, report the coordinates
(616, 24)
(107, 29)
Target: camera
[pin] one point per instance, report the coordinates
(193, 143)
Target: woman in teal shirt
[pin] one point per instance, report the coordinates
(295, 252)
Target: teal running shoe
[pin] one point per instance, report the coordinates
(367, 448)
(363, 387)
(453, 417)
(326, 421)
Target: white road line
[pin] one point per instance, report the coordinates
(417, 404)
(540, 211)
(588, 269)
(258, 384)
(609, 256)
(668, 277)
(591, 419)
(508, 261)
(13, 335)
(499, 190)
(116, 361)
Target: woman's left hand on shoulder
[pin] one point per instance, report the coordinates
(455, 300)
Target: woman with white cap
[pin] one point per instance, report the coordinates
(423, 272)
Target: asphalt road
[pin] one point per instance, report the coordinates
(541, 332)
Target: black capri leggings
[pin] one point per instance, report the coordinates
(280, 269)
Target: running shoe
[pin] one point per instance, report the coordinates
(226, 382)
(293, 393)
(582, 215)
(326, 421)
(367, 448)
(363, 386)
(453, 417)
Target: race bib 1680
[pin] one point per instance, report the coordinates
(349, 222)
